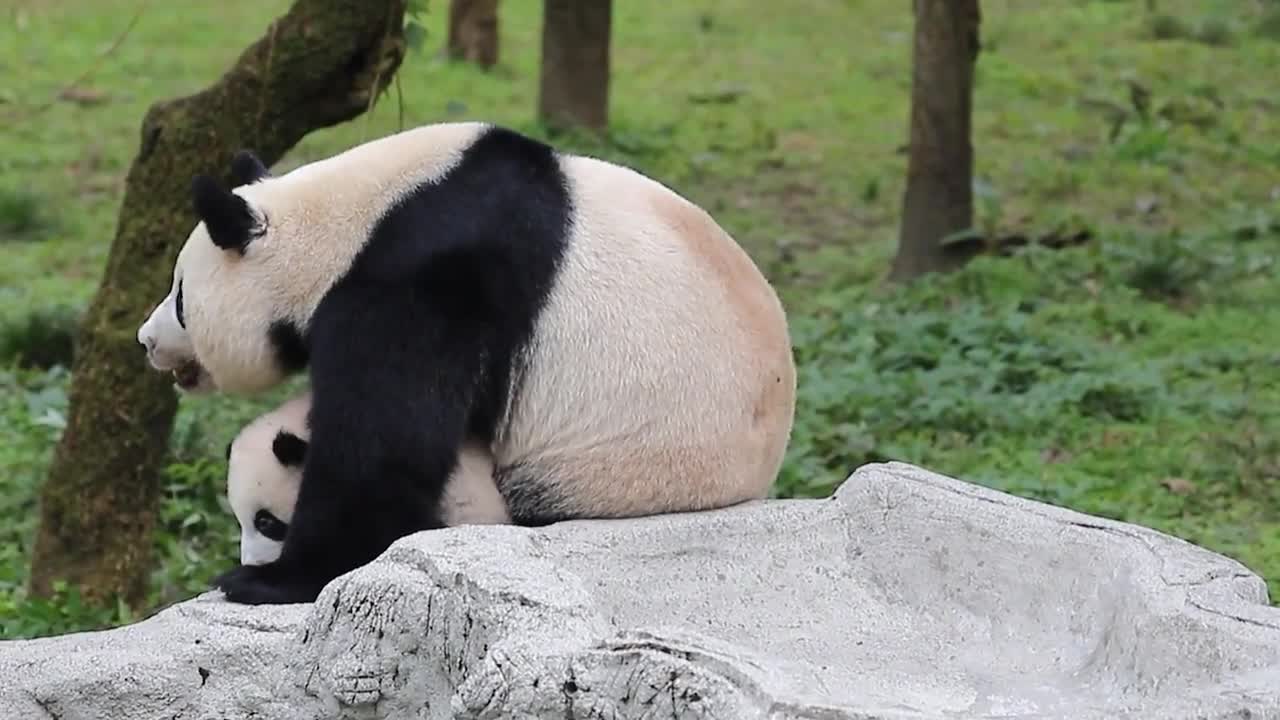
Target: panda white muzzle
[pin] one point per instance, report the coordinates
(169, 349)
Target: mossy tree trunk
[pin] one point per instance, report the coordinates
(473, 31)
(939, 197)
(574, 84)
(316, 66)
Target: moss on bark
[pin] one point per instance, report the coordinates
(316, 66)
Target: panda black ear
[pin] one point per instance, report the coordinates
(247, 169)
(290, 449)
(226, 216)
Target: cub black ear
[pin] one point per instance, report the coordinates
(247, 169)
(226, 216)
(290, 449)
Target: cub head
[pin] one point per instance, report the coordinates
(239, 295)
(264, 474)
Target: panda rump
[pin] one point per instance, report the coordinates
(617, 351)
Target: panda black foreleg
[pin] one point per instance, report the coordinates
(389, 414)
(330, 537)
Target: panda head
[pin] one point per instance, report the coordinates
(264, 473)
(265, 252)
(238, 296)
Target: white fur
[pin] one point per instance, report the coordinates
(662, 357)
(168, 344)
(256, 480)
(661, 376)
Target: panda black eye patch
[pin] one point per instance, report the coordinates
(269, 525)
(177, 307)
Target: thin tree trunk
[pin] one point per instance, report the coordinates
(473, 31)
(315, 67)
(574, 85)
(939, 197)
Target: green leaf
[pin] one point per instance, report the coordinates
(414, 35)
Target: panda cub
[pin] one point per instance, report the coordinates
(264, 473)
(609, 345)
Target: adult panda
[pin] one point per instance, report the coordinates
(617, 351)
(264, 472)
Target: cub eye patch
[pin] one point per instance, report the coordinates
(290, 449)
(177, 307)
(269, 525)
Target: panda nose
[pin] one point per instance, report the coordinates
(149, 343)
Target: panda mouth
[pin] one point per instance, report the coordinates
(187, 375)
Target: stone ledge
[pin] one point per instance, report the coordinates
(906, 594)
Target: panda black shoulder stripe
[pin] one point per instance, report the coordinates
(503, 180)
(470, 262)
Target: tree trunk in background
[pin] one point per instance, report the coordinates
(473, 31)
(939, 197)
(574, 87)
(315, 67)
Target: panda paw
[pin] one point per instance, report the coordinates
(268, 584)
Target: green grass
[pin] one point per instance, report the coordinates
(1136, 377)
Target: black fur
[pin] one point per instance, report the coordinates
(532, 499)
(290, 346)
(410, 352)
(226, 216)
(289, 449)
(269, 525)
(247, 169)
(178, 308)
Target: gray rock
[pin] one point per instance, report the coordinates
(905, 595)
